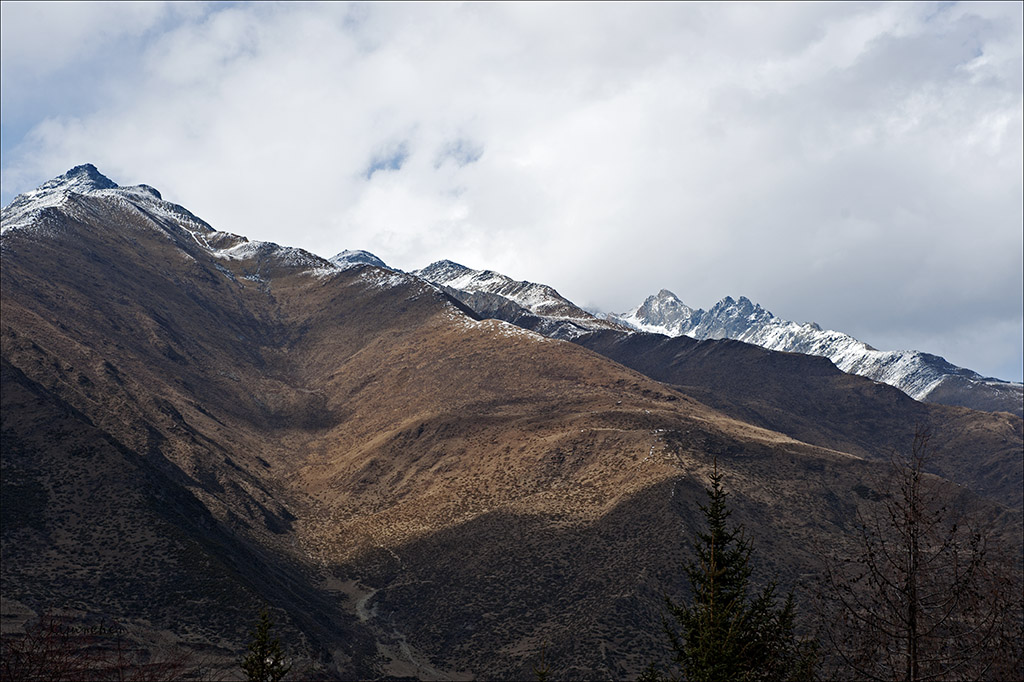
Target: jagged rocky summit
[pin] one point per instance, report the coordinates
(535, 306)
(64, 196)
(922, 376)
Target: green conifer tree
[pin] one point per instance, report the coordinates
(265, 661)
(725, 634)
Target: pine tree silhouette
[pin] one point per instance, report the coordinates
(265, 661)
(725, 634)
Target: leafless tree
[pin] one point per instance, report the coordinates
(49, 650)
(930, 595)
(53, 649)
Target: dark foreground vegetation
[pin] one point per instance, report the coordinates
(930, 595)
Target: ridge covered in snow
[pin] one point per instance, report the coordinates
(74, 194)
(84, 193)
(85, 180)
(917, 374)
(351, 258)
(538, 299)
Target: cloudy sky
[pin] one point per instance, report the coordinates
(858, 165)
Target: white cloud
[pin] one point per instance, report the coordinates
(37, 38)
(855, 164)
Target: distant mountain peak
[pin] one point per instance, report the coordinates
(447, 263)
(444, 269)
(83, 179)
(537, 299)
(659, 314)
(920, 375)
(350, 258)
(85, 176)
(86, 180)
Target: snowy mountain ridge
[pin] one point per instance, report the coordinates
(918, 374)
(72, 191)
(87, 180)
(922, 376)
(491, 294)
(538, 299)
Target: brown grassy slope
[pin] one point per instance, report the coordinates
(117, 322)
(103, 535)
(495, 515)
(809, 399)
(479, 490)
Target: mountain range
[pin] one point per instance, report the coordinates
(443, 474)
(922, 376)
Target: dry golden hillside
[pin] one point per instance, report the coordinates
(193, 426)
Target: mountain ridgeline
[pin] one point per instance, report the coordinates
(436, 475)
(920, 375)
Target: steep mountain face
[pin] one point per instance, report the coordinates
(138, 388)
(801, 395)
(663, 313)
(194, 424)
(920, 375)
(809, 399)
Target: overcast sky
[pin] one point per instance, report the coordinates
(857, 165)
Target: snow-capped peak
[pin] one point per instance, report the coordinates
(915, 373)
(86, 193)
(445, 272)
(538, 299)
(83, 179)
(663, 313)
(350, 258)
(86, 180)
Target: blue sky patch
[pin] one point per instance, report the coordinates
(462, 151)
(390, 160)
